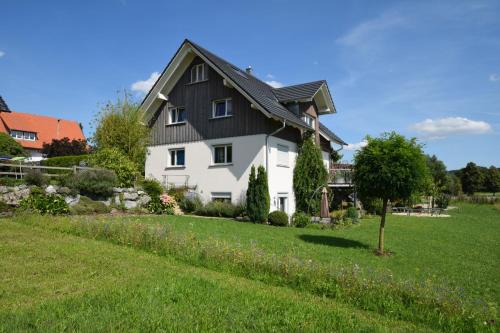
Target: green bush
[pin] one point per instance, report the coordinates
(442, 200)
(11, 181)
(44, 204)
(10, 147)
(190, 205)
(4, 208)
(152, 187)
(278, 218)
(112, 159)
(165, 204)
(301, 220)
(352, 213)
(177, 192)
(88, 206)
(92, 183)
(373, 206)
(219, 209)
(35, 177)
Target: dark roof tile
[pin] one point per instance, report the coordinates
(298, 92)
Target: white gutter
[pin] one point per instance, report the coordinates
(267, 145)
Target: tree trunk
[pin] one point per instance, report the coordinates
(382, 226)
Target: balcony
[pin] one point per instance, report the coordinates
(340, 175)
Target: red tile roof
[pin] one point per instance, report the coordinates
(46, 128)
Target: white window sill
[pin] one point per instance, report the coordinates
(179, 123)
(217, 165)
(175, 167)
(222, 117)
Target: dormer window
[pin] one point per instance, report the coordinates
(309, 120)
(23, 135)
(198, 73)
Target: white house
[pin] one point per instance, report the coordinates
(212, 121)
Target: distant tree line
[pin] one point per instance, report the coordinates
(474, 178)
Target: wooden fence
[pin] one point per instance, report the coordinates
(19, 170)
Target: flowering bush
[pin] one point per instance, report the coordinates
(164, 204)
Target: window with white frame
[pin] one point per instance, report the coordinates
(177, 157)
(222, 108)
(221, 196)
(177, 115)
(223, 154)
(309, 120)
(283, 202)
(283, 158)
(23, 135)
(198, 73)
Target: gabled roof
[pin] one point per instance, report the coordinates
(3, 105)
(332, 136)
(298, 91)
(45, 127)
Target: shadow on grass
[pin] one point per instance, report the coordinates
(333, 241)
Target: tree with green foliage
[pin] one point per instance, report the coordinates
(65, 147)
(438, 177)
(492, 180)
(250, 196)
(10, 147)
(390, 168)
(262, 199)
(120, 125)
(113, 159)
(453, 185)
(471, 179)
(309, 176)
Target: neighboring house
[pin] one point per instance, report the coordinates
(212, 121)
(32, 131)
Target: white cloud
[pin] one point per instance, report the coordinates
(367, 30)
(2, 53)
(356, 146)
(275, 84)
(494, 77)
(441, 128)
(270, 76)
(145, 85)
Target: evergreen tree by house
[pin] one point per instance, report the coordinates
(10, 147)
(250, 197)
(389, 168)
(120, 125)
(471, 178)
(65, 147)
(492, 180)
(308, 176)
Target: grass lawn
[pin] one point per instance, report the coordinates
(50, 281)
(461, 250)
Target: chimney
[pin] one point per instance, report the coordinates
(249, 70)
(58, 122)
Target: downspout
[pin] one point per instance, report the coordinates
(267, 145)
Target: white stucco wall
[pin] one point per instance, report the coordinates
(326, 159)
(207, 178)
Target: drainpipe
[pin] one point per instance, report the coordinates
(267, 145)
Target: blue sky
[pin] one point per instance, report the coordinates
(425, 69)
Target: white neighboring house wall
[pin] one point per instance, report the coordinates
(200, 172)
(326, 159)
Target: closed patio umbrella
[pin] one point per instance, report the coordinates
(324, 213)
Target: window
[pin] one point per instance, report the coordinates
(177, 116)
(222, 108)
(223, 154)
(31, 136)
(221, 196)
(198, 73)
(282, 155)
(283, 202)
(309, 120)
(177, 157)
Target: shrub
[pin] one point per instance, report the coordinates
(177, 192)
(35, 177)
(92, 183)
(352, 213)
(4, 208)
(64, 147)
(10, 147)
(165, 204)
(44, 204)
(10, 181)
(338, 215)
(373, 206)
(152, 187)
(114, 160)
(301, 220)
(88, 206)
(442, 200)
(219, 209)
(191, 204)
(278, 218)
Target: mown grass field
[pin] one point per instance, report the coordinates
(52, 281)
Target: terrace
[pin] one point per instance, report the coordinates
(340, 175)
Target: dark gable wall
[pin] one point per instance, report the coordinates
(197, 99)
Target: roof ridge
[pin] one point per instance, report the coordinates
(44, 116)
(299, 84)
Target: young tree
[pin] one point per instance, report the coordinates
(389, 168)
(492, 180)
(250, 197)
(438, 176)
(309, 176)
(120, 125)
(65, 147)
(262, 198)
(10, 147)
(471, 179)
